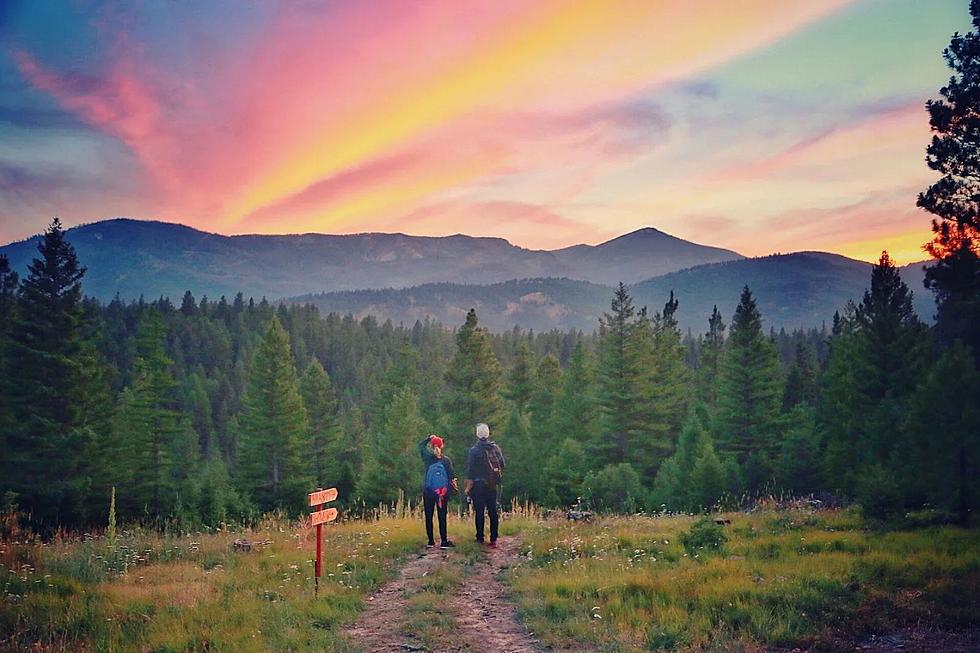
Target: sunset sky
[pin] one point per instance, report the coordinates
(757, 125)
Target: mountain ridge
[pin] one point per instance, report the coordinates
(133, 257)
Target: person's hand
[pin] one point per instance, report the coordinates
(468, 487)
(455, 486)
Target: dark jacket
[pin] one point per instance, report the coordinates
(477, 465)
(429, 458)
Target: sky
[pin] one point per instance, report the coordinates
(758, 125)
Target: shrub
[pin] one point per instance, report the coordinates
(615, 488)
(704, 535)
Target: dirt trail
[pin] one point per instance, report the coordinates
(381, 627)
(486, 619)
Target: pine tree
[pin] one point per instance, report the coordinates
(801, 381)
(520, 381)
(272, 468)
(8, 301)
(391, 461)
(156, 446)
(56, 385)
(616, 391)
(523, 479)
(321, 409)
(576, 412)
(693, 477)
(798, 466)
(890, 357)
(473, 379)
(954, 153)
(541, 405)
(564, 473)
(671, 383)
(709, 367)
(941, 460)
(749, 394)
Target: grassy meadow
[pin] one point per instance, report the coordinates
(780, 579)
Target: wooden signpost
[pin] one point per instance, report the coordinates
(318, 518)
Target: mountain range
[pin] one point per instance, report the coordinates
(134, 257)
(407, 278)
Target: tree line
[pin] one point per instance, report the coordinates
(217, 411)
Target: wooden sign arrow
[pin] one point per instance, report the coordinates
(323, 496)
(323, 516)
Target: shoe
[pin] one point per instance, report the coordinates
(430, 545)
(493, 544)
(447, 545)
(479, 540)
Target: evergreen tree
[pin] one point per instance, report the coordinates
(671, 384)
(564, 473)
(941, 461)
(156, 446)
(576, 413)
(542, 402)
(520, 381)
(798, 466)
(272, 467)
(618, 369)
(693, 477)
(8, 300)
(392, 461)
(749, 394)
(801, 381)
(523, 478)
(321, 409)
(57, 390)
(954, 152)
(473, 379)
(712, 346)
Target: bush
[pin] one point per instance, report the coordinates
(704, 535)
(615, 488)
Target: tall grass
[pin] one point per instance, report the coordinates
(782, 578)
(149, 592)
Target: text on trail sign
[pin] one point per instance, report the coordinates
(323, 496)
(323, 516)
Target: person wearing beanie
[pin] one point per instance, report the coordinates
(438, 484)
(484, 469)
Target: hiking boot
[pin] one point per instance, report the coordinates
(447, 545)
(493, 544)
(430, 545)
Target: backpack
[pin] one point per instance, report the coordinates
(494, 471)
(436, 479)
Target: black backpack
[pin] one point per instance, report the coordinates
(495, 470)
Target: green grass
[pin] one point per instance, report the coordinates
(163, 594)
(783, 579)
(780, 578)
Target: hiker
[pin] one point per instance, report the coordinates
(439, 483)
(484, 469)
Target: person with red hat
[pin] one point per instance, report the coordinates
(439, 483)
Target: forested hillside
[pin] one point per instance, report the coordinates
(199, 412)
(799, 290)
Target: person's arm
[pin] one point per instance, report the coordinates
(427, 455)
(470, 461)
(500, 456)
(451, 472)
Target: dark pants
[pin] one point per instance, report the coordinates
(485, 499)
(430, 501)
